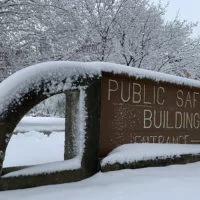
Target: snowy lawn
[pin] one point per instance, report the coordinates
(34, 148)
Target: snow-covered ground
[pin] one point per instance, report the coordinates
(177, 182)
(34, 148)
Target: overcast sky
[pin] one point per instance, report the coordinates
(187, 9)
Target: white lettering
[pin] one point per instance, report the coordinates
(147, 119)
(114, 89)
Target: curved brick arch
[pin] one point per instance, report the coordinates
(41, 90)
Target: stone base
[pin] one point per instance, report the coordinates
(157, 162)
(22, 182)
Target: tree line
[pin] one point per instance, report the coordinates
(129, 32)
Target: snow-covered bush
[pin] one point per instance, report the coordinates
(53, 106)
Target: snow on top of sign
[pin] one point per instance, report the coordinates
(128, 153)
(46, 168)
(22, 81)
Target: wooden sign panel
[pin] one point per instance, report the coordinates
(145, 111)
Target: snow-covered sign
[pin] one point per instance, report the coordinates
(147, 111)
(126, 104)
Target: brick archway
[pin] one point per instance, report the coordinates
(43, 89)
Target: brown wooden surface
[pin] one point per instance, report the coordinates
(142, 110)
